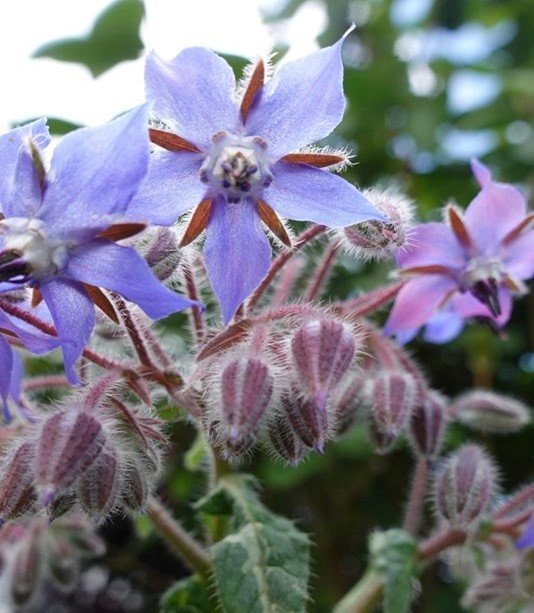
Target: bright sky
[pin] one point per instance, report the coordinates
(32, 88)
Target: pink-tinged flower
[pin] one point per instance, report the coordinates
(240, 164)
(58, 226)
(527, 538)
(469, 267)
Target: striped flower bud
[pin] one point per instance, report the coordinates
(246, 390)
(350, 403)
(68, 444)
(286, 444)
(490, 412)
(99, 484)
(308, 420)
(393, 395)
(17, 494)
(163, 255)
(465, 486)
(322, 351)
(382, 441)
(62, 563)
(27, 568)
(427, 425)
(136, 488)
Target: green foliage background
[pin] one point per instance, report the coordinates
(400, 139)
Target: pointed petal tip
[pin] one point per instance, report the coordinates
(481, 171)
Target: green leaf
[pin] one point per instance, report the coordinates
(187, 596)
(57, 126)
(394, 557)
(113, 39)
(263, 565)
(196, 457)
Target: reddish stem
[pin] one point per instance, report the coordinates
(322, 271)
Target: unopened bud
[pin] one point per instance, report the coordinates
(382, 441)
(62, 563)
(135, 490)
(27, 569)
(246, 390)
(494, 590)
(285, 442)
(164, 255)
(322, 352)
(465, 486)
(393, 395)
(99, 484)
(17, 494)
(427, 425)
(380, 239)
(308, 420)
(68, 444)
(490, 412)
(350, 403)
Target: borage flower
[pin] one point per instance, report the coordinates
(527, 537)
(58, 227)
(236, 162)
(469, 267)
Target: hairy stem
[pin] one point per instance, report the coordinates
(133, 331)
(192, 552)
(321, 272)
(416, 499)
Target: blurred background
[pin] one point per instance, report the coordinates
(429, 83)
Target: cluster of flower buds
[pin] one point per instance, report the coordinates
(381, 239)
(34, 553)
(97, 453)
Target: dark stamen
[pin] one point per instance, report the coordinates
(487, 292)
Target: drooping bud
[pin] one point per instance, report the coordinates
(163, 256)
(17, 494)
(382, 441)
(494, 590)
(490, 412)
(27, 568)
(427, 425)
(322, 351)
(246, 390)
(287, 445)
(68, 444)
(99, 484)
(393, 395)
(380, 239)
(464, 487)
(349, 404)
(135, 490)
(308, 420)
(62, 563)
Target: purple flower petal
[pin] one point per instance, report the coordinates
(481, 171)
(94, 174)
(74, 317)
(432, 243)
(171, 187)
(304, 193)
(20, 192)
(17, 374)
(123, 270)
(193, 94)
(527, 538)
(497, 209)
(34, 341)
(443, 327)
(237, 253)
(417, 302)
(302, 103)
(519, 256)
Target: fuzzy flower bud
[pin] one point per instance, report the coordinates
(286, 444)
(380, 239)
(465, 486)
(99, 484)
(17, 494)
(349, 404)
(163, 255)
(135, 492)
(427, 425)
(68, 445)
(322, 351)
(393, 395)
(382, 441)
(308, 420)
(27, 568)
(246, 390)
(490, 412)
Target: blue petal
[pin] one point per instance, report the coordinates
(123, 270)
(193, 94)
(302, 103)
(20, 191)
(6, 360)
(73, 314)
(304, 193)
(171, 187)
(237, 253)
(443, 327)
(94, 174)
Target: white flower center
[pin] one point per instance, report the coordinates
(236, 166)
(483, 269)
(28, 251)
